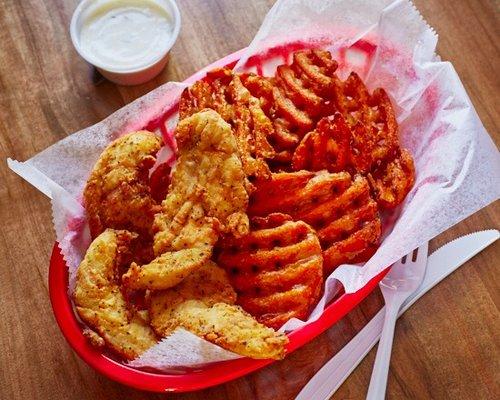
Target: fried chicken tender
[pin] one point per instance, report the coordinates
(209, 284)
(231, 328)
(167, 270)
(117, 194)
(203, 304)
(208, 195)
(100, 302)
(208, 160)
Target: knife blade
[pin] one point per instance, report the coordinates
(440, 264)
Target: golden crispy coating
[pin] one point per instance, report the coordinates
(208, 284)
(100, 302)
(166, 270)
(208, 194)
(326, 147)
(183, 223)
(231, 328)
(223, 92)
(339, 208)
(202, 304)
(208, 163)
(276, 269)
(117, 194)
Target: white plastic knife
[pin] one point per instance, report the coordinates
(440, 264)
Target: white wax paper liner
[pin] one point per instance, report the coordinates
(389, 45)
(182, 349)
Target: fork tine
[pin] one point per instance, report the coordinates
(422, 251)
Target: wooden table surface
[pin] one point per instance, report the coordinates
(446, 346)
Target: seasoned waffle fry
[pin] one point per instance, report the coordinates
(211, 92)
(251, 129)
(375, 136)
(260, 87)
(339, 208)
(276, 269)
(375, 149)
(327, 147)
(295, 100)
(373, 140)
(392, 182)
(223, 92)
(306, 91)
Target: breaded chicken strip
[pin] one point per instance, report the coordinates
(100, 302)
(229, 327)
(208, 195)
(168, 269)
(209, 284)
(209, 173)
(117, 194)
(203, 304)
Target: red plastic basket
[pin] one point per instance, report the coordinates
(192, 379)
(196, 379)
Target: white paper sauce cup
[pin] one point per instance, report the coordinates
(128, 41)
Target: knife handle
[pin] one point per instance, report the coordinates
(331, 376)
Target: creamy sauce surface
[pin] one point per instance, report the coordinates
(125, 35)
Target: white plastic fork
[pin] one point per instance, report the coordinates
(404, 279)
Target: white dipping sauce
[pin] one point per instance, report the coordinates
(124, 35)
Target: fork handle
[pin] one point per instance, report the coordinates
(378, 381)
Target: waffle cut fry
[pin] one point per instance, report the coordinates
(223, 92)
(276, 269)
(375, 148)
(326, 147)
(210, 92)
(365, 141)
(338, 207)
(297, 98)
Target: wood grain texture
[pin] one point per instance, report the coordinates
(446, 346)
